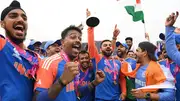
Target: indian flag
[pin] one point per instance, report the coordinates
(168, 84)
(136, 11)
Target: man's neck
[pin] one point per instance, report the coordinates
(48, 55)
(21, 45)
(83, 69)
(145, 61)
(109, 57)
(68, 56)
(124, 56)
(71, 58)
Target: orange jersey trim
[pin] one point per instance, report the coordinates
(47, 71)
(2, 43)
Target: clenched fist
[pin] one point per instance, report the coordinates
(70, 71)
(100, 76)
(171, 19)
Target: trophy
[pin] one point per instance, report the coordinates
(162, 36)
(91, 21)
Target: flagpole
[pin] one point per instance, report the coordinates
(145, 33)
(144, 27)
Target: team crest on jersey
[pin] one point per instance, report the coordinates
(16, 54)
(143, 74)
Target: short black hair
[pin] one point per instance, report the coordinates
(150, 48)
(129, 38)
(71, 27)
(104, 41)
(130, 51)
(83, 52)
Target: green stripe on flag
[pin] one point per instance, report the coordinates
(130, 84)
(130, 10)
(137, 16)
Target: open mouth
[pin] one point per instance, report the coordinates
(108, 50)
(76, 48)
(84, 63)
(19, 29)
(57, 51)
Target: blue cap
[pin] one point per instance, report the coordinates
(31, 47)
(35, 42)
(31, 44)
(48, 43)
(119, 43)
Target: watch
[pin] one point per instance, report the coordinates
(147, 96)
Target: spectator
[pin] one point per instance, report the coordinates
(129, 42)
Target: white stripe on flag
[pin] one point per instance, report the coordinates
(138, 7)
(169, 83)
(162, 86)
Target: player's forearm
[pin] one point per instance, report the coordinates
(85, 90)
(55, 89)
(48, 94)
(113, 42)
(164, 95)
(154, 96)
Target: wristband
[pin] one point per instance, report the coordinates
(61, 83)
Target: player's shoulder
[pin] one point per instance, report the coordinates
(51, 61)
